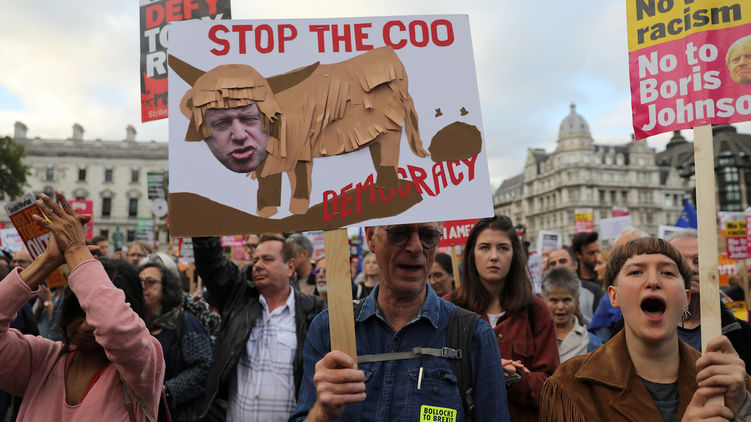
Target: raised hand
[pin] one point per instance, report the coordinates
(67, 229)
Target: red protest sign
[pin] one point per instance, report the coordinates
(456, 232)
(35, 237)
(155, 15)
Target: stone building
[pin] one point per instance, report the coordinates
(113, 174)
(582, 174)
(732, 161)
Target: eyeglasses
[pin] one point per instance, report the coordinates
(251, 245)
(18, 262)
(150, 281)
(400, 235)
(316, 271)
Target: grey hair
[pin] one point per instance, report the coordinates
(301, 243)
(560, 278)
(683, 234)
(634, 231)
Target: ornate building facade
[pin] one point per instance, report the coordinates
(582, 174)
(113, 174)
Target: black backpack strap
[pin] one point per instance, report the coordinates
(459, 336)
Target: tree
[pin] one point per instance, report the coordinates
(12, 170)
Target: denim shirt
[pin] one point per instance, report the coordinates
(391, 386)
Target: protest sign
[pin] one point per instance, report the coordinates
(84, 206)
(155, 184)
(534, 265)
(329, 98)
(10, 239)
(316, 238)
(610, 228)
(619, 211)
(583, 220)
(33, 234)
(548, 239)
(145, 229)
(735, 235)
(155, 15)
(688, 63)
(455, 232)
(664, 232)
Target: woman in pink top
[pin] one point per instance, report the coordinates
(109, 368)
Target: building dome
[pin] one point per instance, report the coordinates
(573, 125)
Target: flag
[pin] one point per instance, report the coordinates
(688, 217)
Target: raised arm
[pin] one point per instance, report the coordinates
(218, 273)
(122, 333)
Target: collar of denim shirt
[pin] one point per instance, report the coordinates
(429, 309)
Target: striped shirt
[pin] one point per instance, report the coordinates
(264, 389)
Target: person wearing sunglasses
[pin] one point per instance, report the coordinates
(401, 315)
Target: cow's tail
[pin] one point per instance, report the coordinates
(411, 128)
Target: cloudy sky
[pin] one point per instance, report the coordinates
(66, 62)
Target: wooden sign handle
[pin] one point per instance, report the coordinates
(339, 286)
(707, 222)
(455, 267)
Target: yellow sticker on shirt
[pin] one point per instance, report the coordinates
(437, 414)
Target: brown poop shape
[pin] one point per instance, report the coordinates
(457, 141)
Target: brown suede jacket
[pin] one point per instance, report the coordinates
(603, 386)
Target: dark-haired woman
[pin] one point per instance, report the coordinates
(441, 275)
(108, 367)
(496, 285)
(645, 372)
(185, 341)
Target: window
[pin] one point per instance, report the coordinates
(82, 174)
(105, 233)
(50, 176)
(624, 197)
(134, 175)
(668, 200)
(612, 196)
(131, 235)
(106, 207)
(574, 195)
(572, 159)
(602, 196)
(108, 175)
(133, 207)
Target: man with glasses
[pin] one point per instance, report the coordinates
(401, 314)
(21, 259)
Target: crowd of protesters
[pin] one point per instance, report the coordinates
(614, 332)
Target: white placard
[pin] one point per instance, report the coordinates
(10, 239)
(664, 232)
(367, 60)
(610, 228)
(548, 239)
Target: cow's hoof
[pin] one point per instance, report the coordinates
(266, 212)
(387, 178)
(298, 206)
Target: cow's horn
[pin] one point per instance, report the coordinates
(189, 73)
(287, 80)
